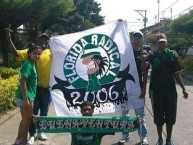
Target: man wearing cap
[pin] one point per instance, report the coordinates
(142, 68)
(87, 109)
(43, 97)
(165, 68)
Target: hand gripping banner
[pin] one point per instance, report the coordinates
(87, 124)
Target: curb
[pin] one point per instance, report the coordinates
(5, 117)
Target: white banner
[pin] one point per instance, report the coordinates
(97, 65)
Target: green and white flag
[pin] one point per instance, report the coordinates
(97, 65)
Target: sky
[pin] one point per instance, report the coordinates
(125, 9)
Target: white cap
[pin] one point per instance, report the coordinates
(161, 37)
(137, 33)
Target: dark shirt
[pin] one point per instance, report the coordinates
(88, 138)
(164, 65)
(137, 54)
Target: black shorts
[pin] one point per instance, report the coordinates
(164, 107)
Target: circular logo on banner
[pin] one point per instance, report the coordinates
(92, 61)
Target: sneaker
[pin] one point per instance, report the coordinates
(17, 142)
(144, 141)
(160, 141)
(169, 142)
(31, 140)
(41, 136)
(125, 138)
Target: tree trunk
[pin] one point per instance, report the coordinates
(5, 53)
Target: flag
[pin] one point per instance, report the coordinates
(95, 65)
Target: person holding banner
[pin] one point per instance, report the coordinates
(142, 68)
(26, 91)
(163, 93)
(87, 109)
(43, 97)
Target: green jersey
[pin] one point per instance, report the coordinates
(164, 65)
(88, 138)
(28, 71)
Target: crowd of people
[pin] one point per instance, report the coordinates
(33, 95)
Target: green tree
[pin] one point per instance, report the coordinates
(36, 15)
(179, 41)
(96, 18)
(54, 16)
(85, 16)
(184, 23)
(180, 34)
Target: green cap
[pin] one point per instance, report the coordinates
(90, 49)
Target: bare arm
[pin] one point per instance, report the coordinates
(143, 90)
(9, 40)
(144, 67)
(24, 91)
(180, 82)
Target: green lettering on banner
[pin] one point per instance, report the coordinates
(86, 124)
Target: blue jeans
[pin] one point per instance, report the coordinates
(41, 103)
(142, 131)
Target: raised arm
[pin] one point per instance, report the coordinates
(9, 40)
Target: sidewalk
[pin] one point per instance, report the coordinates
(182, 133)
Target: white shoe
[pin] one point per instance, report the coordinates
(125, 138)
(31, 140)
(144, 141)
(42, 136)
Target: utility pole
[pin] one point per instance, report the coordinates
(144, 16)
(158, 1)
(171, 12)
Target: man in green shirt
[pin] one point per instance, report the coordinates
(165, 70)
(87, 109)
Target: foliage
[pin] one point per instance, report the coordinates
(187, 63)
(32, 12)
(45, 13)
(10, 10)
(85, 16)
(7, 95)
(35, 15)
(184, 23)
(13, 63)
(96, 19)
(180, 34)
(179, 41)
(51, 16)
(5, 72)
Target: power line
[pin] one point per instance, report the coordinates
(163, 11)
(189, 8)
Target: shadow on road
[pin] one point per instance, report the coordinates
(139, 143)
